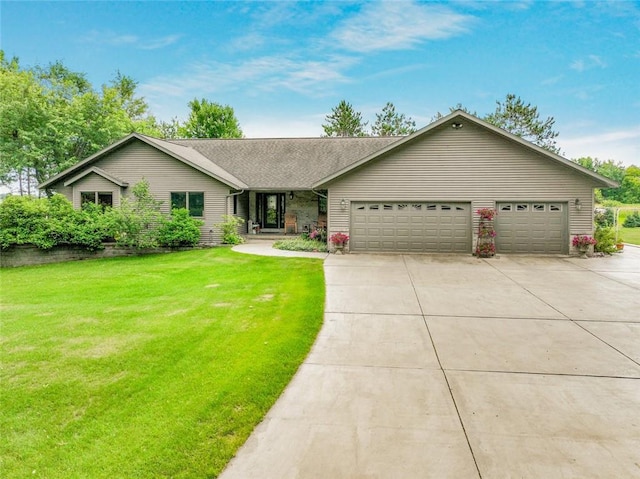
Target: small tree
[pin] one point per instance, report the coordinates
(344, 121)
(229, 228)
(137, 219)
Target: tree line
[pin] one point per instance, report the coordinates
(52, 117)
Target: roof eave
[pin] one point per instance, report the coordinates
(604, 181)
(86, 161)
(235, 184)
(99, 172)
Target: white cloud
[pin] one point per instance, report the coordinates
(618, 145)
(399, 26)
(257, 75)
(111, 38)
(592, 61)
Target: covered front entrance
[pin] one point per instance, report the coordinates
(271, 209)
(417, 227)
(532, 227)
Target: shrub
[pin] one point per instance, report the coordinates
(229, 229)
(632, 220)
(317, 234)
(300, 244)
(339, 238)
(606, 240)
(180, 230)
(48, 222)
(137, 220)
(603, 217)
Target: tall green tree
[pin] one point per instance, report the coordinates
(51, 118)
(524, 121)
(628, 178)
(209, 120)
(459, 106)
(391, 123)
(344, 121)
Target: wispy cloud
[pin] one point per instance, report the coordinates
(619, 145)
(111, 38)
(552, 80)
(264, 74)
(399, 26)
(588, 63)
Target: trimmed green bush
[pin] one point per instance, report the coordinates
(632, 220)
(180, 230)
(606, 240)
(47, 222)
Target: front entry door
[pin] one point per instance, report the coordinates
(272, 210)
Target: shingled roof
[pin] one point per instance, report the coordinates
(285, 163)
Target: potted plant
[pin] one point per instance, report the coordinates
(339, 240)
(486, 244)
(582, 243)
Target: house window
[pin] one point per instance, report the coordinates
(322, 205)
(102, 198)
(190, 200)
(555, 207)
(538, 207)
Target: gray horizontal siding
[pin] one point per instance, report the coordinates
(165, 174)
(93, 182)
(470, 164)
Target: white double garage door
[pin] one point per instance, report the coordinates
(446, 227)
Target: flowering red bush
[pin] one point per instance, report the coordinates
(583, 241)
(486, 213)
(339, 238)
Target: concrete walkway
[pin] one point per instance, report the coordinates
(455, 367)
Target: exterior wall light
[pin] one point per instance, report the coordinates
(456, 126)
(578, 204)
(291, 195)
(343, 204)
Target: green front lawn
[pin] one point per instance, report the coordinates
(630, 235)
(156, 366)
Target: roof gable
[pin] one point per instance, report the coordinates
(459, 117)
(99, 172)
(180, 153)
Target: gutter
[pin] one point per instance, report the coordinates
(226, 203)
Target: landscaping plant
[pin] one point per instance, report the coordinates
(229, 228)
(180, 230)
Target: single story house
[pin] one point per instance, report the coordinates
(417, 193)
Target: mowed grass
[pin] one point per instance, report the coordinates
(148, 367)
(630, 235)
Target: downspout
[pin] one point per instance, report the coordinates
(318, 193)
(226, 207)
(226, 203)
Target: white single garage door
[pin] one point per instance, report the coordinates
(421, 227)
(532, 227)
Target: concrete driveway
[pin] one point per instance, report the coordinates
(455, 367)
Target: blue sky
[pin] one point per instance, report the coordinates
(283, 65)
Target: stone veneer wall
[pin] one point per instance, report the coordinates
(30, 255)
